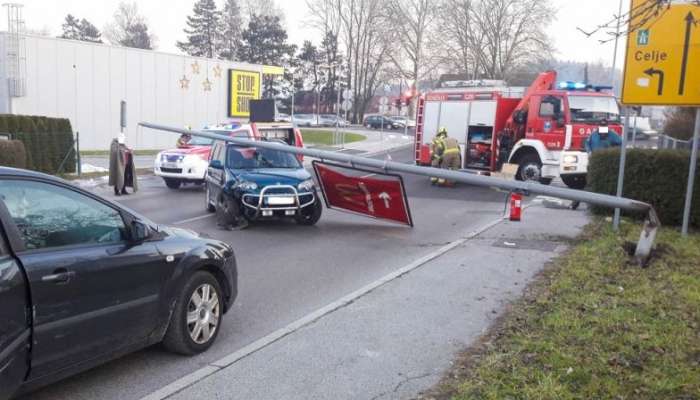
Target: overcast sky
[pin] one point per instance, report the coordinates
(167, 18)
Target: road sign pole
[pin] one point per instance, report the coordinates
(634, 130)
(621, 173)
(691, 174)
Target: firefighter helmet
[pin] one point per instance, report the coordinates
(442, 131)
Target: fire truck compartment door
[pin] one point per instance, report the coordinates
(483, 113)
(432, 121)
(454, 116)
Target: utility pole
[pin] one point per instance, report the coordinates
(617, 39)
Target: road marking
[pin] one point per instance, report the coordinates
(185, 221)
(224, 362)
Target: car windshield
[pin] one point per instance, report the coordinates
(592, 109)
(254, 158)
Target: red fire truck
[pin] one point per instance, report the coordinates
(541, 129)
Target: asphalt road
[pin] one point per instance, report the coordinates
(285, 271)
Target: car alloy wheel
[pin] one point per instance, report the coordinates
(203, 313)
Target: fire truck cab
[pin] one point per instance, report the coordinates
(541, 129)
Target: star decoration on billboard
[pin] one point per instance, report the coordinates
(195, 67)
(217, 71)
(184, 82)
(207, 85)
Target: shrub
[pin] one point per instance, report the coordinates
(46, 141)
(658, 177)
(12, 154)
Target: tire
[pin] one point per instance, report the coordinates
(194, 327)
(313, 216)
(228, 212)
(577, 182)
(530, 169)
(172, 183)
(207, 200)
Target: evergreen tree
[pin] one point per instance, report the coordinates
(71, 28)
(89, 32)
(232, 24)
(80, 30)
(265, 42)
(138, 37)
(202, 36)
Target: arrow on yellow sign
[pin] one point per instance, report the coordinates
(689, 24)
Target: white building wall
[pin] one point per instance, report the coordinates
(85, 82)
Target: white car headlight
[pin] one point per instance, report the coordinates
(245, 185)
(570, 159)
(307, 186)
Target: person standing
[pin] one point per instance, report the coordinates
(122, 172)
(601, 138)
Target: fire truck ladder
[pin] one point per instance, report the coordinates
(420, 122)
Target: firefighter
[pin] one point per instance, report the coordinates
(437, 148)
(451, 158)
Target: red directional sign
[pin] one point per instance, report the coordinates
(376, 195)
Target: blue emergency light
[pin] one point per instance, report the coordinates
(569, 85)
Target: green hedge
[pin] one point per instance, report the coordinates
(658, 177)
(46, 141)
(13, 154)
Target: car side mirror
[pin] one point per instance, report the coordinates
(520, 117)
(216, 164)
(140, 232)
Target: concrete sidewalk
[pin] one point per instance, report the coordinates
(397, 337)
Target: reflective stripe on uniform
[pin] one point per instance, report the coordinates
(451, 151)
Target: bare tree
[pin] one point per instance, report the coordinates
(459, 37)
(513, 34)
(129, 28)
(363, 29)
(415, 22)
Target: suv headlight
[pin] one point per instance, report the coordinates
(192, 159)
(246, 186)
(307, 186)
(570, 159)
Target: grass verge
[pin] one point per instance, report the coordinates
(594, 326)
(322, 137)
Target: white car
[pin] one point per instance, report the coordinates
(184, 165)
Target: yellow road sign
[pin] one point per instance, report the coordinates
(662, 66)
(244, 86)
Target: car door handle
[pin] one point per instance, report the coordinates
(60, 275)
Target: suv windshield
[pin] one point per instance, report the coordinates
(592, 109)
(200, 141)
(253, 158)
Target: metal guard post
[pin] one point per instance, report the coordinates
(646, 240)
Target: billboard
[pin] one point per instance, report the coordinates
(244, 86)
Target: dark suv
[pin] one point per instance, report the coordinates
(84, 280)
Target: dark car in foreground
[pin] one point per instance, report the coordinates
(84, 280)
(249, 183)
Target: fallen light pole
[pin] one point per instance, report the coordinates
(644, 245)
